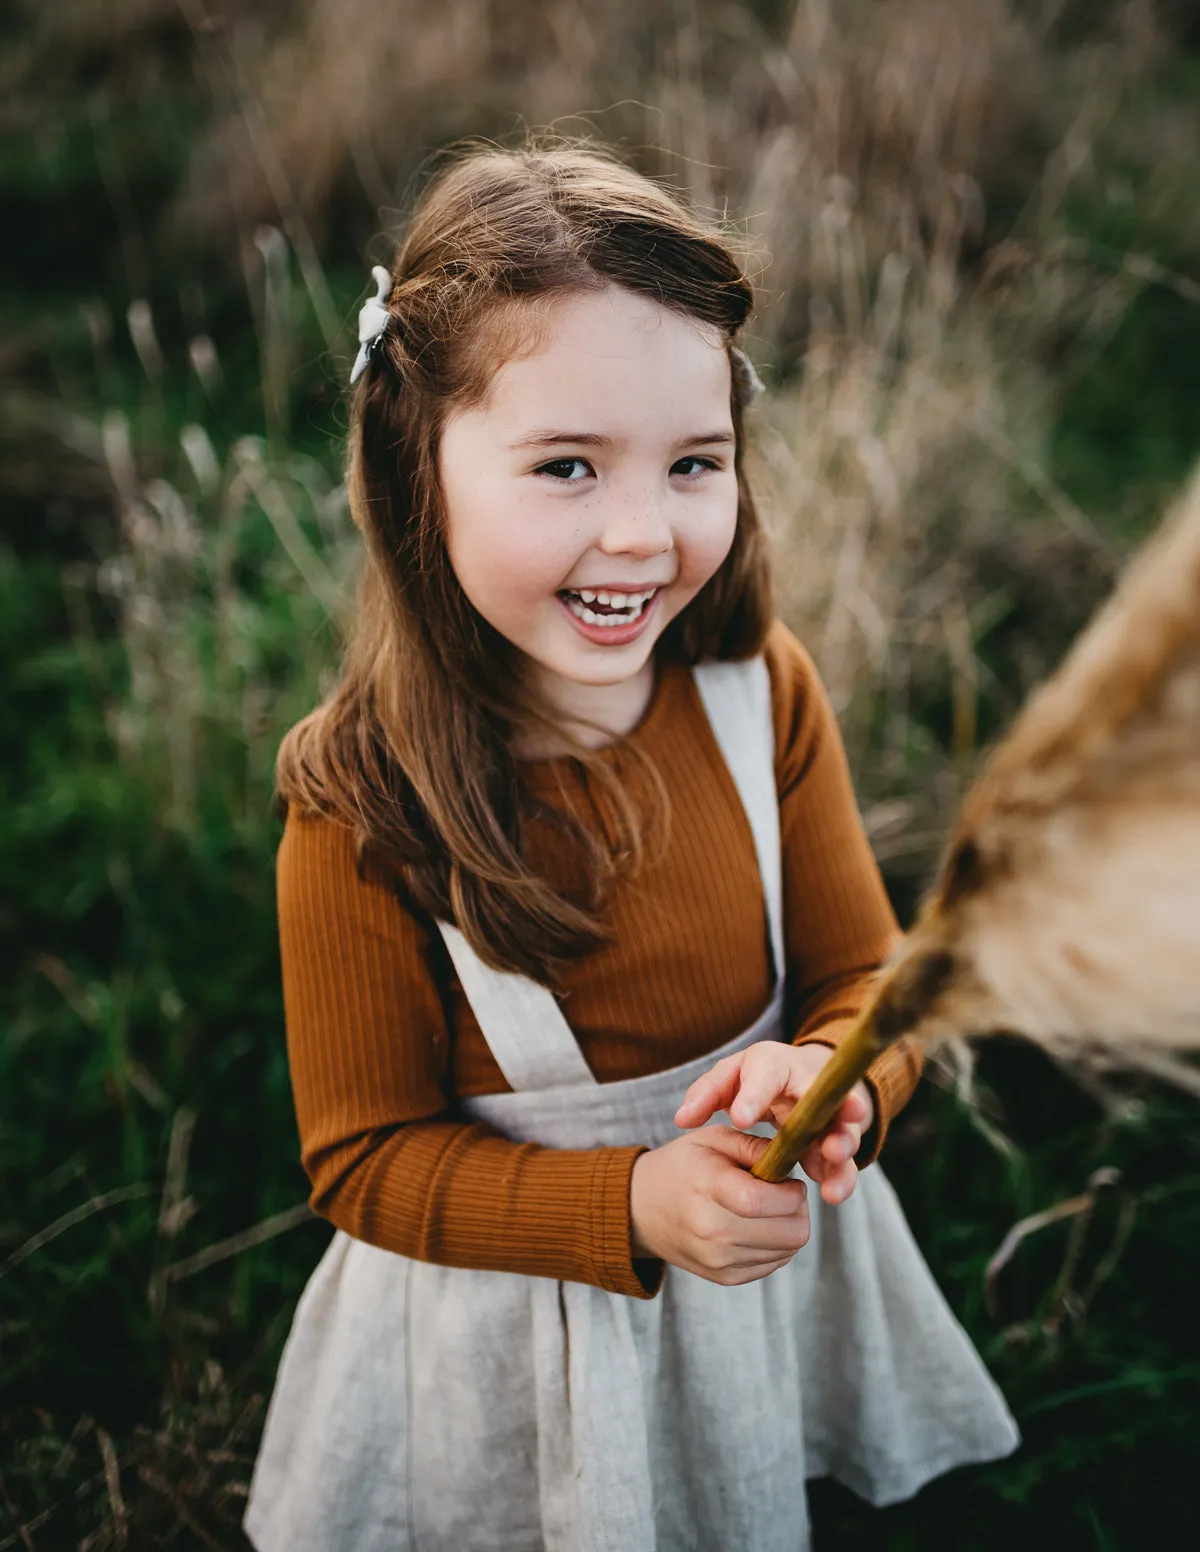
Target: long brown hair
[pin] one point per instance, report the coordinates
(412, 749)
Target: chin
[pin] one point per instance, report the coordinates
(612, 671)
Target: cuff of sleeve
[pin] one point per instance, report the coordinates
(892, 1078)
(612, 1251)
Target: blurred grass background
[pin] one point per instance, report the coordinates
(980, 259)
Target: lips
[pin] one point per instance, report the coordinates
(607, 608)
(608, 626)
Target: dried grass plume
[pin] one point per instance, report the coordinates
(1067, 906)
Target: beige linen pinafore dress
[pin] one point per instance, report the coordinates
(449, 1410)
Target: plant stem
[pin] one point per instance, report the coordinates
(850, 1060)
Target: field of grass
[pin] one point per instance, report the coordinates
(981, 329)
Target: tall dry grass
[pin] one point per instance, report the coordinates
(215, 670)
(899, 174)
(858, 148)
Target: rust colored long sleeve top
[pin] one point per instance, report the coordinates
(382, 1043)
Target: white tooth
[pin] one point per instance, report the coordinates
(610, 620)
(620, 600)
(603, 598)
(592, 617)
(588, 596)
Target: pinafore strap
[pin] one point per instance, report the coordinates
(521, 1021)
(737, 700)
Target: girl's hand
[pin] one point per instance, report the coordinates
(765, 1081)
(694, 1204)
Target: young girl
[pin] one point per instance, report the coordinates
(572, 862)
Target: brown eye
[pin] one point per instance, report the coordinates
(567, 469)
(694, 466)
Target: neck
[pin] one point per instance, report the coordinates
(594, 715)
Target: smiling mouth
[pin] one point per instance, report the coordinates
(607, 608)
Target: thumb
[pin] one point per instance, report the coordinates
(741, 1148)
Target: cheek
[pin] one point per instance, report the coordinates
(709, 540)
(503, 556)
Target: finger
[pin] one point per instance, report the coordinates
(711, 1093)
(766, 1074)
(816, 1166)
(743, 1148)
(762, 1259)
(735, 1277)
(747, 1238)
(841, 1143)
(736, 1273)
(856, 1109)
(739, 1193)
(826, 1161)
(838, 1186)
(820, 1170)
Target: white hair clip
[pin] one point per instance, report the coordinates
(748, 379)
(373, 319)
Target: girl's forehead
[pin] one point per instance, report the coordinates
(612, 354)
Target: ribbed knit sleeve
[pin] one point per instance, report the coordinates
(838, 923)
(367, 1047)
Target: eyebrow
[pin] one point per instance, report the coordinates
(552, 438)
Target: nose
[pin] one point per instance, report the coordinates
(636, 525)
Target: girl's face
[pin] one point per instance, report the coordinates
(592, 494)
